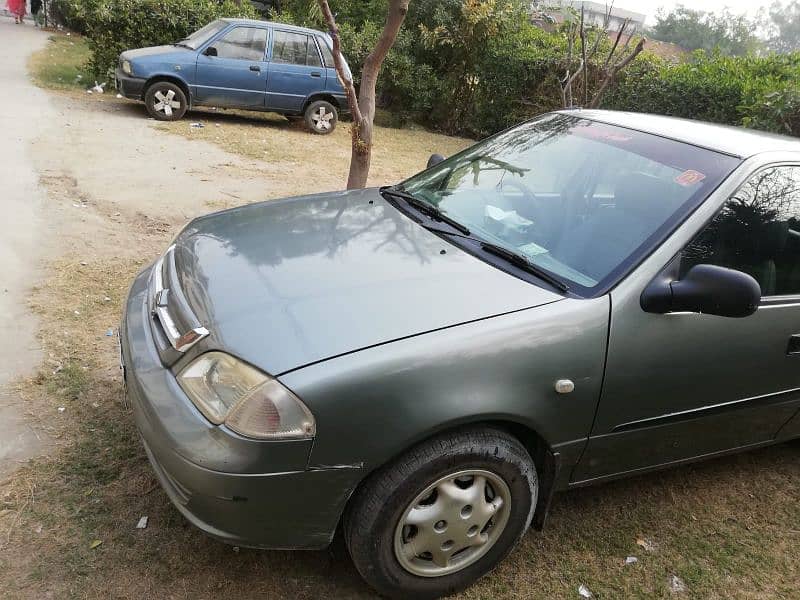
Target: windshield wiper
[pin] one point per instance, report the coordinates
(182, 45)
(522, 261)
(426, 207)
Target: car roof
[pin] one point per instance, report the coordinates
(735, 141)
(271, 24)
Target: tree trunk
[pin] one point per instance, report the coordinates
(362, 107)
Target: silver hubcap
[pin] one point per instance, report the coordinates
(452, 523)
(322, 119)
(166, 102)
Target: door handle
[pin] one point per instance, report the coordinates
(255, 68)
(316, 74)
(794, 345)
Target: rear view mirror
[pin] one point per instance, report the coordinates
(705, 289)
(210, 51)
(434, 160)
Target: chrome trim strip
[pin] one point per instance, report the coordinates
(160, 296)
(677, 416)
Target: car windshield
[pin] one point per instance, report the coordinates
(579, 199)
(201, 36)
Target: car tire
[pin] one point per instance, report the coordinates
(165, 101)
(321, 117)
(435, 498)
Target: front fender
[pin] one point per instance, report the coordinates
(373, 404)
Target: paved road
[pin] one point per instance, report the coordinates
(24, 111)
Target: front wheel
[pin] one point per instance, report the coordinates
(443, 515)
(165, 101)
(321, 117)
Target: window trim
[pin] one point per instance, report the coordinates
(225, 32)
(271, 47)
(766, 301)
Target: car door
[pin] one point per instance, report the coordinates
(680, 386)
(295, 71)
(232, 70)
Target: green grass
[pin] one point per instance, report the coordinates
(62, 64)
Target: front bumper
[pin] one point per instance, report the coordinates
(128, 86)
(244, 492)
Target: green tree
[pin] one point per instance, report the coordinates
(726, 32)
(782, 25)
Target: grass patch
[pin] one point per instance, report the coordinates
(62, 64)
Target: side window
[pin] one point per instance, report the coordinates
(327, 54)
(243, 43)
(294, 49)
(758, 232)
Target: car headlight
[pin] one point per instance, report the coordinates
(249, 402)
(126, 67)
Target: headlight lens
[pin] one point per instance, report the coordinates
(249, 402)
(126, 67)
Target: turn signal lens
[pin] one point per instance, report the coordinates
(249, 402)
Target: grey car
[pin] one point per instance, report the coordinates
(587, 296)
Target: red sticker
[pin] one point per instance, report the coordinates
(689, 177)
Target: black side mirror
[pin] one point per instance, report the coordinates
(706, 289)
(434, 160)
(210, 51)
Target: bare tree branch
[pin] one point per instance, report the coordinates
(362, 106)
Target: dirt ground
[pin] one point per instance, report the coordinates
(116, 187)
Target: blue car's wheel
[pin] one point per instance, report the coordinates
(165, 101)
(321, 117)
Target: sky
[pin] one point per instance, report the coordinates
(651, 6)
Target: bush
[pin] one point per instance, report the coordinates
(756, 92)
(114, 26)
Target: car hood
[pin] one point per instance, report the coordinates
(161, 51)
(287, 283)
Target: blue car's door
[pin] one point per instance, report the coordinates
(232, 70)
(295, 70)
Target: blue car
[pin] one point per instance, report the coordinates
(239, 63)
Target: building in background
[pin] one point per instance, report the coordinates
(594, 13)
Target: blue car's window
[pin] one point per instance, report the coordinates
(201, 36)
(579, 199)
(243, 43)
(327, 54)
(295, 49)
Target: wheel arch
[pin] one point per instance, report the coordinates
(545, 460)
(171, 79)
(328, 97)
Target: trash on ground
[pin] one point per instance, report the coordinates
(584, 592)
(648, 545)
(119, 95)
(77, 312)
(61, 409)
(95, 405)
(95, 544)
(84, 263)
(236, 549)
(631, 560)
(676, 585)
(142, 524)
(196, 125)
(106, 299)
(98, 88)
(109, 333)
(38, 529)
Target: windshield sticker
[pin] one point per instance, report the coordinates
(689, 178)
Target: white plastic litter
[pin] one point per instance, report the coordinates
(119, 95)
(584, 592)
(61, 409)
(676, 585)
(99, 88)
(142, 524)
(631, 560)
